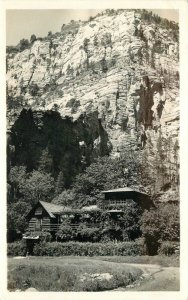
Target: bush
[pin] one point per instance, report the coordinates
(85, 233)
(16, 248)
(169, 248)
(121, 227)
(23, 44)
(33, 89)
(33, 38)
(65, 232)
(89, 249)
(91, 18)
(12, 50)
(160, 224)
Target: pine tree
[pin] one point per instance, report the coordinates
(60, 183)
(46, 161)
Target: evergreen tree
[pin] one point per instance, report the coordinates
(16, 178)
(46, 162)
(60, 183)
(39, 186)
(23, 44)
(33, 38)
(16, 219)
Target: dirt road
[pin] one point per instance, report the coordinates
(155, 278)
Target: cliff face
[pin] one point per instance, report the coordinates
(116, 68)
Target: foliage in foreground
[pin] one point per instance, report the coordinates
(67, 274)
(169, 248)
(16, 249)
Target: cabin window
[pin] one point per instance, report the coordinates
(38, 211)
(112, 201)
(118, 202)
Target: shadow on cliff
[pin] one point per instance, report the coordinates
(55, 144)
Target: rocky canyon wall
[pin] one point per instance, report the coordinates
(116, 73)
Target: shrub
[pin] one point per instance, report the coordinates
(33, 38)
(106, 40)
(45, 236)
(104, 65)
(12, 50)
(86, 44)
(65, 232)
(89, 249)
(110, 12)
(88, 234)
(169, 248)
(91, 18)
(69, 70)
(160, 224)
(33, 89)
(16, 248)
(16, 216)
(38, 249)
(23, 44)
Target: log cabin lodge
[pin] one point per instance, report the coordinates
(46, 216)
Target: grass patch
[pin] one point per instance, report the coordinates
(68, 274)
(164, 261)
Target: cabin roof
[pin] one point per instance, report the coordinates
(114, 211)
(123, 190)
(53, 209)
(90, 208)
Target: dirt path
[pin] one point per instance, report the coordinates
(155, 278)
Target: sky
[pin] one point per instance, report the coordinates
(23, 23)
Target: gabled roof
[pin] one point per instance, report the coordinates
(114, 211)
(90, 208)
(53, 209)
(122, 190)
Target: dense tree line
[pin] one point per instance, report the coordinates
(45, 163)
(26, 188)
